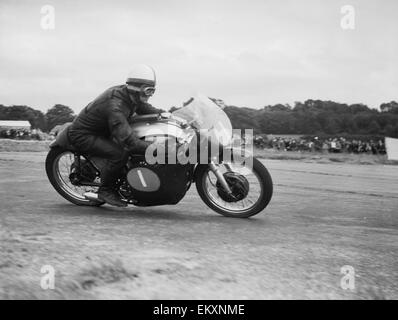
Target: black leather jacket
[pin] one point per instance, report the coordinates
(109, 116)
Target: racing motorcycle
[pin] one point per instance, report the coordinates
(230, 180)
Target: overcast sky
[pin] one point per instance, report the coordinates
(248, 53)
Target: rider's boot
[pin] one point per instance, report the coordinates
(110, 196)
(107, 190)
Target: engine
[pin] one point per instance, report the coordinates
(158, 184)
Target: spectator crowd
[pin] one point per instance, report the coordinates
(309, 144)
(315, 144)
(24, 134)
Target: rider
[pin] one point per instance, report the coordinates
(102, 128)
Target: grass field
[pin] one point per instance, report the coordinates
(323, 157)
(7, 145)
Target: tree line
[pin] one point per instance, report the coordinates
(318, 117)
(309, 117)
(58, 114)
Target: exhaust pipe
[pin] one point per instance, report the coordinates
(91, 196)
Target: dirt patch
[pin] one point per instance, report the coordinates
(104, 273)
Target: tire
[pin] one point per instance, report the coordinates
(264, 199)
(51, 162)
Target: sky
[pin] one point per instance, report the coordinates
(248, 53)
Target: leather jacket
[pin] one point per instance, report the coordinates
(109, 116)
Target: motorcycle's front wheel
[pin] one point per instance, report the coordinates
(59, 163)
(255, 182)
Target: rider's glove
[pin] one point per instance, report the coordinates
(165, 115)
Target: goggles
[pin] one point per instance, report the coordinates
(143, 90)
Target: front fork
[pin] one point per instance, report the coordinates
(220, 177)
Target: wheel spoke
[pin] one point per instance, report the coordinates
(254, 194)
(62, 169)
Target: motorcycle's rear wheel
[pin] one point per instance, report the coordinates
(258, 196)
(58, 166)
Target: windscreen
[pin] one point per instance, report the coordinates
(208, 117)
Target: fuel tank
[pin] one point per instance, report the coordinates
(158, 128)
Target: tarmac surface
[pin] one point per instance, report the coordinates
(321, 218)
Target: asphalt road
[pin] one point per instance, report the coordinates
(322, 217)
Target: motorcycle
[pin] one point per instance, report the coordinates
(229, 181)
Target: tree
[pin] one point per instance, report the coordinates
(278, 107)
(389, 107)
(59, 114)
(374, 127)
(359, 107)
(35, 117)
(309, 117)
(391, 130)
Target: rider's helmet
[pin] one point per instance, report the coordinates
(142, 80)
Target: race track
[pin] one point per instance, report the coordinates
(322, 217)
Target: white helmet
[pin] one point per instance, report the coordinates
(140, 75)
